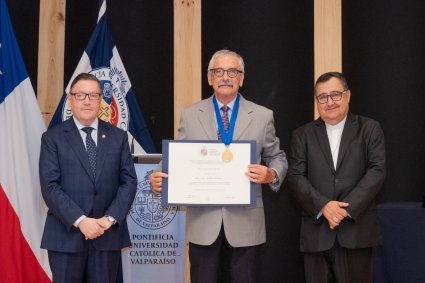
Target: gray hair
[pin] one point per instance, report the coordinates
(225, 52)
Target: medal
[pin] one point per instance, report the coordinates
(227, 155)
(226, 137)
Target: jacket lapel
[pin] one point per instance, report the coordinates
(207, 118)
(350, 129)
(244, 118)
(73, 137)
(322, 137)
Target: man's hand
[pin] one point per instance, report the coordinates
(90, 228)
(104, 223)
(260, 174)
(156, 181)
(335, 212)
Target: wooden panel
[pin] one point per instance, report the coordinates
(187, 55)
(51, 48)
(327, 38)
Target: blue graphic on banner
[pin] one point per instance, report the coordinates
(158, 252)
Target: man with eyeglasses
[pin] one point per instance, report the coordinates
(88, 182)
(224, 241)
(336, 170)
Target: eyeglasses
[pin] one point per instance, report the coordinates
(232, 72)
(334, 95)
(83, 95)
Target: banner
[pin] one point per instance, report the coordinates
(157, 233)
(119, 106)
(22, 210)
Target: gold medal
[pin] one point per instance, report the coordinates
(227, 156)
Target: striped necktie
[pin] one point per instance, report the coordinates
(224, 119)
(91, 149)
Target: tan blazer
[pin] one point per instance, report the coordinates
(243, 226)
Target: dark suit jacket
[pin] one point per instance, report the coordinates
(70, 190)
(358, 178)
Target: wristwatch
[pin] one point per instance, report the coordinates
(111, 219)
(275, 180)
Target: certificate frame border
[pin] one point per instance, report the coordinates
(165, 165)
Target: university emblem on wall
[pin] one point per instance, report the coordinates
(147, 210)
(113, 108)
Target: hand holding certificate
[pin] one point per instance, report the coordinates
(207, 173)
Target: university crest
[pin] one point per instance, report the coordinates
(147, 210)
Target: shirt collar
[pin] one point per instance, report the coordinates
(337, 126)
(94, 125)
(231, 104)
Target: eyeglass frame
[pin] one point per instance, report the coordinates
(237, 72)
(74, 94)
(332, 95)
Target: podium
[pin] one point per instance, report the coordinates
(157, 233)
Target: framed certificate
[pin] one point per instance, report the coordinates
(207, 173)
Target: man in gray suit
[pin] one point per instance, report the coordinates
(337, 168)
(224, 241)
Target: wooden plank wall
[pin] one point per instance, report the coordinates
(187, 55)
(51, 49)
(327, 38)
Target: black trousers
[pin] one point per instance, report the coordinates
(222, 263)
(339, 265)
(91, 266)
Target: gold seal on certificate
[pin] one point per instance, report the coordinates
(227, 156)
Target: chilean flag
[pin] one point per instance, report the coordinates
(22, 210)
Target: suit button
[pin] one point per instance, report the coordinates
(336, 181)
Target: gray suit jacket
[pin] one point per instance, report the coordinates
(359, 175)
(243, 226)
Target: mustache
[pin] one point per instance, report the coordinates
(225, 83)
